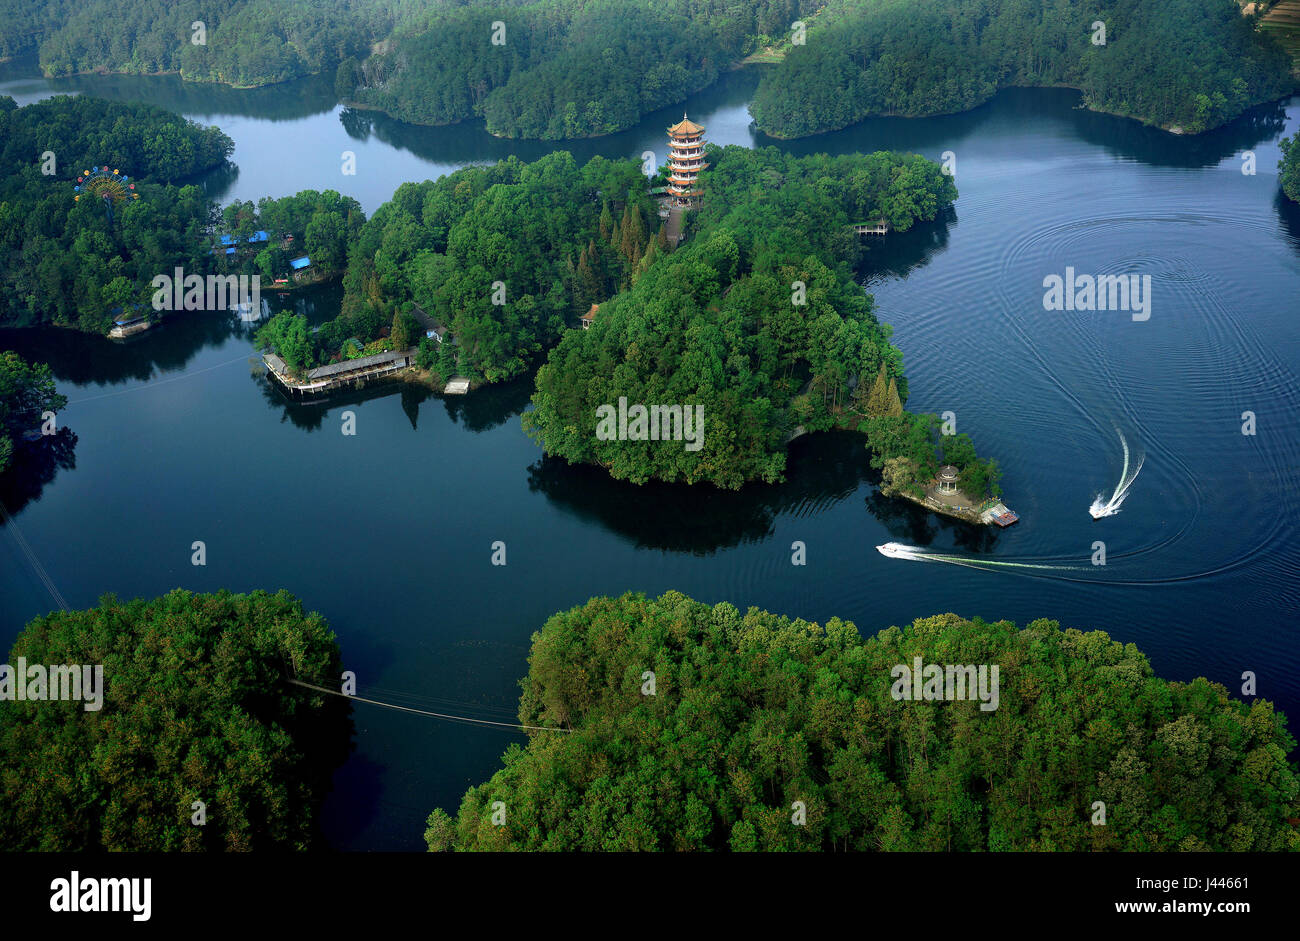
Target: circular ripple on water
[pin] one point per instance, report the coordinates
(1096, 365)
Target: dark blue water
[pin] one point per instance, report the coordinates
(389, 533)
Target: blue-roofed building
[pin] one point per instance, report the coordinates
(227, 240)
(298, 264)
(258, 236)
(230, 251)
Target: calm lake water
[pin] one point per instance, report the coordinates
(389, 533)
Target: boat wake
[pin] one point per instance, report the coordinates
(1101, 506)
(899, 550)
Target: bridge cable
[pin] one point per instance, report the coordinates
(425, 712)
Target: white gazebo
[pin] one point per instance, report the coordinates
(948, 477)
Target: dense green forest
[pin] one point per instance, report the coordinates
(195, 707)
(66, 261)
(754, 712)
(756, 320)
(244, 42)
(26, 390)
(1190, 64)
(561, 68)
(320, 224)
(555, 237)
(557, 68)
(1289, 167)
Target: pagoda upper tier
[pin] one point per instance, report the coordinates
(685, 161)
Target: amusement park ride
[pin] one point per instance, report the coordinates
(109, 185)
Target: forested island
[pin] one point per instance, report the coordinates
(766, 733)
(74, 262)
(561, 69)
(1186, 65)
(194, 706)
(757, 320)
(84, 262)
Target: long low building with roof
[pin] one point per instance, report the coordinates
(337, 375)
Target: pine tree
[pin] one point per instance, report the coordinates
(894, 406)
(588, 280)
(877, 400)
(633, 233)
(651, 255)
(399, 338)
(606, 221)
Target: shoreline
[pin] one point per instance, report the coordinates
(1172, 129)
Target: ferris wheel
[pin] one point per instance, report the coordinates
(110, 186)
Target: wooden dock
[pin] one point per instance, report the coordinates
(998, 513)
(879, 227)
(351, 373)
(129, 328)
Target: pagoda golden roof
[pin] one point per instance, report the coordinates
(685, 128)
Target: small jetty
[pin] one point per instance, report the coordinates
(129, 327)
(879, 227)
(944, 495)
(351, 373)
(457, 386)
(998, 514)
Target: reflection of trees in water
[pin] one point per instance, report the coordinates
(285, 101)
(219, 180)
(85, 358)
(1042, 107)
(1288, 216)
(469, 142)
(479, 411)
(168, 348)
(34, 465)
(821, 469)
(1151, 145)
(310, 414)
(901, 253)
(911, 523)
(490, 406)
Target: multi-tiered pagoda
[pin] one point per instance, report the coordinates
(685, 161)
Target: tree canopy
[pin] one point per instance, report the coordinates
(751, 713)
(756, 320)
(196, 707)
(1289, 167)
(502, 257)
(66, 261)
(559, 69)
(555, 69)
(1191, 64)
(243, 42)
(26, 391)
